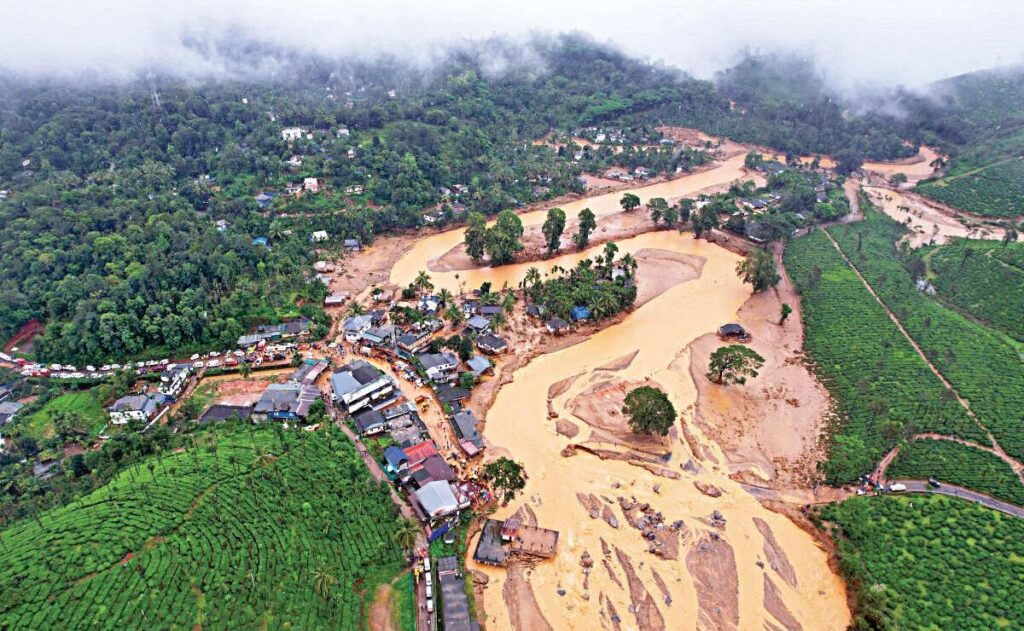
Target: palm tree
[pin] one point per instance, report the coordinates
(422, 282)
(499, 321)
(444, 297)
(629, 264)
(406, 534)
(356, 309)
(244, 369)
(454, 315)
(323, 581)
(532, 278)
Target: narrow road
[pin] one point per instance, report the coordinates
(917, 486)
(423, 619)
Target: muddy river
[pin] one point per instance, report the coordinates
(722, 173)
(754, 569)
(928, 223)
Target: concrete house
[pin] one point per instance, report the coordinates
(134, 407)
(491, 344)
(285, 402)
(360, 385)
(355, 326)
(174, 379)
(439, 366)
(290, 134)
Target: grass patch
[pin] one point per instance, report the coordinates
(84, 405)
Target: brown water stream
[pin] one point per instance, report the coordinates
(659, 332)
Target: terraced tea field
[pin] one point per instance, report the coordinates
(984, 366)
(930, 562)
(982, 279)
(882, 387)
(245, 529)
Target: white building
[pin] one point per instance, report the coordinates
(137, 407)
(359, 385)
(292, 133)
(174, 379)
(439, 366)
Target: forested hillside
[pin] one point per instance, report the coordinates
(979, 120)
(107, 229)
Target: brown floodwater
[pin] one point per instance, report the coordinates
(928, 224)
(660, 331)
(916, 169)
(437, 245)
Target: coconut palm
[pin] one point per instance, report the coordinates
(532, 278)
(406, 534)
(629, 264)
(444, 297)
(422, 282)
(356, 309)
(454, 315)
(323, 581)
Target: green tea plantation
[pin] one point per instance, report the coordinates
(930, 562)
(246, 528)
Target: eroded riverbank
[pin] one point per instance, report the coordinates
(674, 589)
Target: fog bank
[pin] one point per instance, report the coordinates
(865, 43)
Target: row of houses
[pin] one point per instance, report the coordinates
(146, 405)
(374, 402)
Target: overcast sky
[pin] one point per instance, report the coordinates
(863, 41)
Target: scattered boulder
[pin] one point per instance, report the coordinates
(708, 489)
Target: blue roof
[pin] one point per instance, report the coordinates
(259, 241)
(395, 456)
(580, 313)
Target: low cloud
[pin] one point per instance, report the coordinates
(869, 43)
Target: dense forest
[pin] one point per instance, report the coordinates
(108, 226)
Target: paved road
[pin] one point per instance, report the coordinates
(917, 486)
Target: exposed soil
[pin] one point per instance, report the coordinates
(774, 553)
(648, 616)
(770, 428)
(381, 618)
(566, 428)
(713, 566)
(523, 610)
(776, 606)
(600, 407)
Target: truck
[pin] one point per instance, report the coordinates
(899, 486)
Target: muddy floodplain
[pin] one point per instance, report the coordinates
(654, 534)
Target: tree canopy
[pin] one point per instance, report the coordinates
(734, 364)
(649, 411)
(587, 223)
(553, 227)
(759, 270)
(629, 201)
(506, 476)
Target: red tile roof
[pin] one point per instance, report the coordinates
(419, 453)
